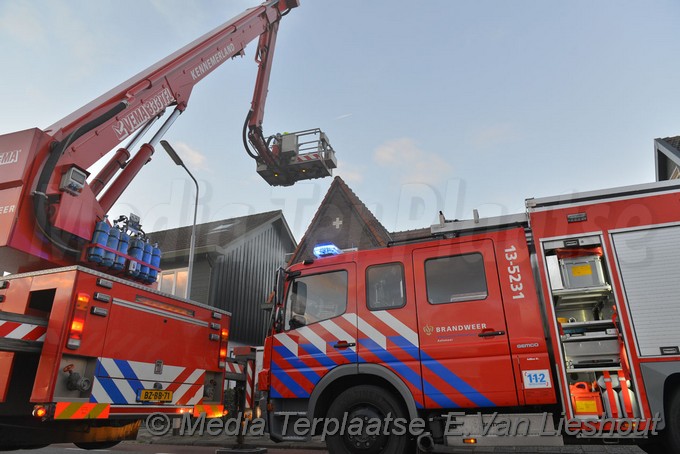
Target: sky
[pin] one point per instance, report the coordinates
(430, 105)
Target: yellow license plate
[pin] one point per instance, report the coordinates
(155, 395)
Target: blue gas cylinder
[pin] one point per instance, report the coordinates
(101, 237)
(114, 237)
(136, 251)
(155, 261)
(123, 245)
(146, 260)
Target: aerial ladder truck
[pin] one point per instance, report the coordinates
(85, 353)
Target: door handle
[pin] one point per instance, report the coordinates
(344, 344)
(491, 333)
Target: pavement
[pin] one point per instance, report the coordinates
(222, 440)
(251, 441)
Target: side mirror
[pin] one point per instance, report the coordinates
(297, 321)
(277, 319)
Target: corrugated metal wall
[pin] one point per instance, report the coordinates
(200, 284)
(200, 279)
(243, 278)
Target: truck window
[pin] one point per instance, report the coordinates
(385, 286)
(315, 298)
(455, 279)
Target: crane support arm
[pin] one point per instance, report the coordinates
(49, 209)
(168, 82)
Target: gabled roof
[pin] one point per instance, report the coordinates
(379, 232)
(216, 234)
(406, 235)
(667, 158)
(343, 219)
(673, 142)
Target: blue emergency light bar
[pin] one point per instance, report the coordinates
(325, 250)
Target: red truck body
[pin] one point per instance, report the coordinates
(102, 352)
(88, 348)
(562, 317)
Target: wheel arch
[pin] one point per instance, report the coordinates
(661, 380)
(344, 377)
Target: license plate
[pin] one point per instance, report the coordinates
(155, 395)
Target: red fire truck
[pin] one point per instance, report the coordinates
(88, 347)
(555, 325)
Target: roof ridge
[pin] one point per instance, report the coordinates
(314, 218)
(378, 231)
(672, 141)
(365, 214)
(272, 212)
(210, 234)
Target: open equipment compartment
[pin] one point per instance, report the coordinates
(592, 348)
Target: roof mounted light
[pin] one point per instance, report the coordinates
(325, 250)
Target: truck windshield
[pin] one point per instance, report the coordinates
(315, 298)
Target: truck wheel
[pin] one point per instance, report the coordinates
(362, 404)
(653, 448)
(96, 444)
(673, 424)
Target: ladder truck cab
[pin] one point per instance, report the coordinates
(85, 350)
(557, 325)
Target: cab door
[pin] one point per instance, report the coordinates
(465, 353)
(319, 330)
(387, 322)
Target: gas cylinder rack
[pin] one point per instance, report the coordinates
(122, 248)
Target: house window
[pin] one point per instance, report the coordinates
(455, 279)
(174, 282)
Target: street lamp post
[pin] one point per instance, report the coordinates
(175, 157)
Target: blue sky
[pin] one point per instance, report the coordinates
(430, 105)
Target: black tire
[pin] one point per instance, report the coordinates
(367, 402)
(653, 448)
(672, 430)
(96, 444)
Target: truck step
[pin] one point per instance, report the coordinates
(295, 414)
(294, 438)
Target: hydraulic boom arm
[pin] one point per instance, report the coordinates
(48, 203)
